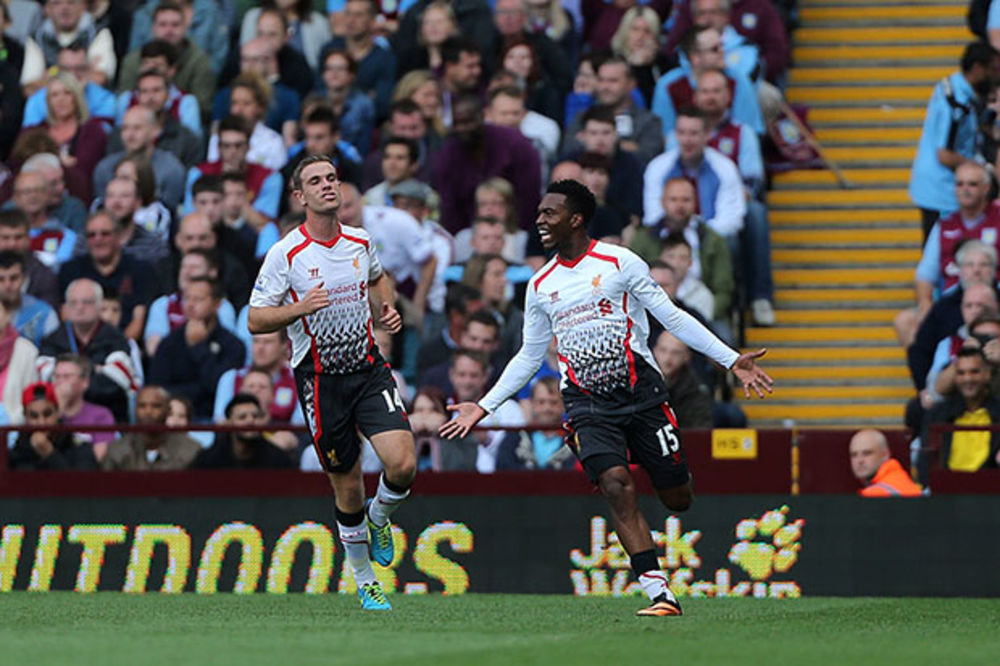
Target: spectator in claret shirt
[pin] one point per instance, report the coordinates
(475, 152)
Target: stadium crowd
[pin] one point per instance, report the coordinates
(952, 332)
(147, 153)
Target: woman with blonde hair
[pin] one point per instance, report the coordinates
(81, 140)
(637, 40)
(437, 23)
(422, 88)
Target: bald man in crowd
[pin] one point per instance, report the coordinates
(877, 470)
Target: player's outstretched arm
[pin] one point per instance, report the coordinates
(750, 374)
(469, 414)
(271, 319)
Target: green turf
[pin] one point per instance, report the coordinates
(476, 630)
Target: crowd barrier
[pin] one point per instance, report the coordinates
(774, 516)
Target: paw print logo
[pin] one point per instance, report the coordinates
(768, 544)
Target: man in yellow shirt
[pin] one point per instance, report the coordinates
(971, 404)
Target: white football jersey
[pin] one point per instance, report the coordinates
(338, 338)
(596, 309)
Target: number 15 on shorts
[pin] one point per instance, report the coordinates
(669, 443)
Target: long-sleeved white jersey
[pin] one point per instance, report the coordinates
(596, 308)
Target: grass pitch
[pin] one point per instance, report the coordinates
(477, 630)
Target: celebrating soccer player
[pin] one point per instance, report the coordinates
(593, 297)
(318, 281)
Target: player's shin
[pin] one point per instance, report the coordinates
(354, 536)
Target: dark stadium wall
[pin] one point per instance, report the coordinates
(756, 545)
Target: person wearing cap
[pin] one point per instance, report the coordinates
(402, 247)
(419, 200)
(46, 449)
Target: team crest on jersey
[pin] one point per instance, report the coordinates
(749, 21)
(50, 245)
(357, 265)
(553, 297)
(283, 396)
(989, 236)
(596, 284)
(726, 145)
(314, 273)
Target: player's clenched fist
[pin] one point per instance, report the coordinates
(316, 299)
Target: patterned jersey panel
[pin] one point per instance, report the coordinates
(337, 339)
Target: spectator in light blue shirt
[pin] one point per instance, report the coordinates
(33, 318)
(100, 101)
(950, 134)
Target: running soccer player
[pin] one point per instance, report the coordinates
(321, 282)
(593, 297)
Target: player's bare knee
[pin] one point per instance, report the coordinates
(403, 471)
(677, 499)
(617, 486)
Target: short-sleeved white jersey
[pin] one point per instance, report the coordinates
(596, 309)
(401, 243)
(338, 339)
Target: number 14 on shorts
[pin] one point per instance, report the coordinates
(392, 400)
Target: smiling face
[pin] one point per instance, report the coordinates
(555, 222)
(519, 60)
(972, 377)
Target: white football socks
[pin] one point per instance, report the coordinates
(654, 583)
(355, 540)
(385, 502)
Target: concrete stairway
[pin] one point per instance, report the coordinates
(844, 259)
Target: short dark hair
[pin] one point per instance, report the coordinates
(79, 360)
(405, 106)
(352, 64)
(156, 48)
(14, 217)
(479, 357)
(579, 199)
(689, 41)
(675, 239)
(508, 91)
(233, 123)
(241, 399)
(210, 257)
(210, 182)
(969, 352)
(590, 160)
(215, 286)
(598, 114)
(168, 6)
(323, 115)
(307, 161)
(261, 371)
(693, 112)
(615, 59)
(485, 317)
(985, 318)
(10, 258)
(150, 72)
(233, 177)
(457, 297)
(659, 263)
(411, 146)
(453, 48)
(977, 53)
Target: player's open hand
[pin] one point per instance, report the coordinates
(468, 415)
(316, 299)
(390, 319)
(750, 374)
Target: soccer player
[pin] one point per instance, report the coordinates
(321, 281)
(593, 297)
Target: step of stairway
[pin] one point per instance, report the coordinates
(881, 116)
(844, 277)
(819, 335)
(806, 178)
(859, 95)
(800, 394)
(822, 317)
(790, 257)
(846, 218)
(775, 412)
(832, 374)
(855, 3)
(858, 156)
(857, 238)
(928, 75)
(919, 36)
(836, 198)
(851, 54)
(888, 16)
(868, 136)
(846, 354)
(845, 297)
